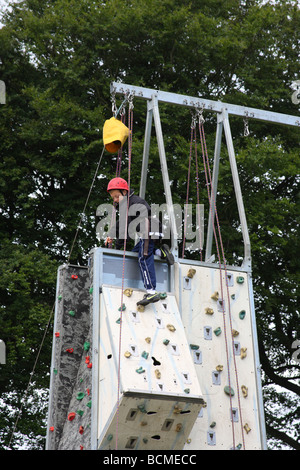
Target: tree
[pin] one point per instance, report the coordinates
(57, 58)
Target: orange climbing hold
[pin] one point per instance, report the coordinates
(71, 416)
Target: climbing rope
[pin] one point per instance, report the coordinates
(212, 205)
(130, 127)
(193, 139)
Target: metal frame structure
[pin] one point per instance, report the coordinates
(223, 111)
(94, 297)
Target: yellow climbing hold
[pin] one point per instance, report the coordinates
(219, 368)
(244, 391)
(148, 339)
(127, 354)
(177, 410)
(209, 311)
(247, 428)
(157, 373)
(215, 296)
(128, 292)
(235, 333)
(243, 353)
(191, 273)
(171, 327)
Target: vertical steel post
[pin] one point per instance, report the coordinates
(237, 189)
(165, 175)
(213, 194)
(146, 149)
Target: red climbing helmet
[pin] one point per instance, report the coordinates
(117, 183)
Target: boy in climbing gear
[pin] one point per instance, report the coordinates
(135, 218)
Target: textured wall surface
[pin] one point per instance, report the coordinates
(70, 374)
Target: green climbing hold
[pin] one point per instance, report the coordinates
(80, 412)
(89, 404)
(166, 342)
(91, 290)
(142, 408)
(122, 308)
(145, 355)
(86, 345)
(194, 347)
(72, 313)
(109, 437)
(163, 295)
(242, 314)
(118, 321)
(55, 371)
(80, 395)
(186, 390)
(59, 297)
(240, 280)
(229, 391)
(140, 370)
(217, 331)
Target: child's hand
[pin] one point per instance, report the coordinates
(108, 241)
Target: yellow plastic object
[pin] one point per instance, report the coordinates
(115, 134)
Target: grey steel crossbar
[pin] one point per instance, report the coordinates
(208, 105)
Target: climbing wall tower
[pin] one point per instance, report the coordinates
(185, 372)
(179, 375)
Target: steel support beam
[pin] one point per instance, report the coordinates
(208, 105)
(213, 195)
(237, 189)
(165, 175)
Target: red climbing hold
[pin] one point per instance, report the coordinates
(51, 429)
(70, 350)
(81, 429)
(71, 416)
(57, 334)
(74, 276)
(90, 365)
(87, 359)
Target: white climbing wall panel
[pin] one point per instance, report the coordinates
(224, 356)
(159, 392)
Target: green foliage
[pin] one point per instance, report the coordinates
(57, 58)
